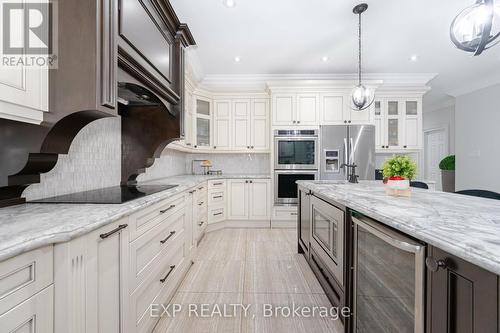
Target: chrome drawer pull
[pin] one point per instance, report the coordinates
(215, 184)
(107, 234)
(200, 188)
(168, 237)
(166, 210)
(169, 272)
(200, 224)
(293, 214)
(218, 196)
(218, 214)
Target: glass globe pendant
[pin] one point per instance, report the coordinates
(477, 27)
(361, 96)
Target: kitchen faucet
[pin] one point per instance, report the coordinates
(351, 172)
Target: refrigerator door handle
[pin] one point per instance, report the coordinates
(351, 151)
(346, 161)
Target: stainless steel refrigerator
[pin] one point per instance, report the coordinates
(351, 144)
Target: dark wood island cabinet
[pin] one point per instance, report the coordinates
(461, 297)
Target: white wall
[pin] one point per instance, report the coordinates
(477, 139)
(170, 163)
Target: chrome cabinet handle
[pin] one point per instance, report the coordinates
(168, 237)
(218, 214)
(434, 265)
(216, 184)
(201, 203)
(107, 234)
(167, 209)
(168, 273)
(191, 192)
(293, 214)
(200, 224)
(218, 196)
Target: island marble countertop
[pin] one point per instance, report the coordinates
(465, 226)
(29, 226)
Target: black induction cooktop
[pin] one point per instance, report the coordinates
(108, 195)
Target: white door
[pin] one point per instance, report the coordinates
(436, 148)
(332, 109)
(283, 109)
(238, 199)
(35, 315)
(222, 125)
(259, 130)
(241, 124)
(307, 109)
(259, 202)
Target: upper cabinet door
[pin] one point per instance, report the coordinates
(146, 38)
(332, 109)
(203, 122)
(260, 132)
(24, 93)
(379, 124)
(222, 125)
(393, 123)
(241, 124)
(356, 117)
(307, 109)
(412, 117)
(283, 109)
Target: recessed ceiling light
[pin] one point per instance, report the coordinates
(324, 58)
(414, 58)
(229, 3)
(237, 59)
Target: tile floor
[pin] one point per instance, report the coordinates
(257, 268)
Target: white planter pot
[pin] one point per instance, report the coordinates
(398, 184)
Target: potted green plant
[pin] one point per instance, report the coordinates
(447, 166)
(399, 170)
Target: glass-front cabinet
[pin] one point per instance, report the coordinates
(203, 122)
(398, 123)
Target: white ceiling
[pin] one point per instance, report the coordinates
(291, 37)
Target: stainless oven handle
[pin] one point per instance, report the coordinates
(399, 241)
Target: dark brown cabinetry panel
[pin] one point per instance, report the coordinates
(461, 297)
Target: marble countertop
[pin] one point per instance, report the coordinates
(29, 226)
(465, 226)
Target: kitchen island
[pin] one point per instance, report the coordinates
(431, 255)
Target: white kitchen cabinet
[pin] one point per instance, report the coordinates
(249, 199)
(90, 280)
(295, 109)
(259, 125)
(398, 124)
(241, 124)
(34, 315)
(203, 122)
(283, 109)
(307, 109)
(332, 109)
(24, 93)
(259, 201)
(238, 199)
(222, 125)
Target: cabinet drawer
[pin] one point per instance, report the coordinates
(34, 315)
(150, 217)
(285, 213)
(217, 197)
(145, 251)
(24, 275)
(153, 290)
(216, 185)
(216, 214)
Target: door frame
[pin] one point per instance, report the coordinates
(444, 128)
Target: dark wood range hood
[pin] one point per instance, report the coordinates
(136, 44)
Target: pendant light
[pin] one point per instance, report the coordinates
(477, 27)
(361, 96)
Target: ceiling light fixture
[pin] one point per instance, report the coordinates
(477, 27)
(229, 3)
(325, 59)
(361, 96)
(237, 59)
(414, 58)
